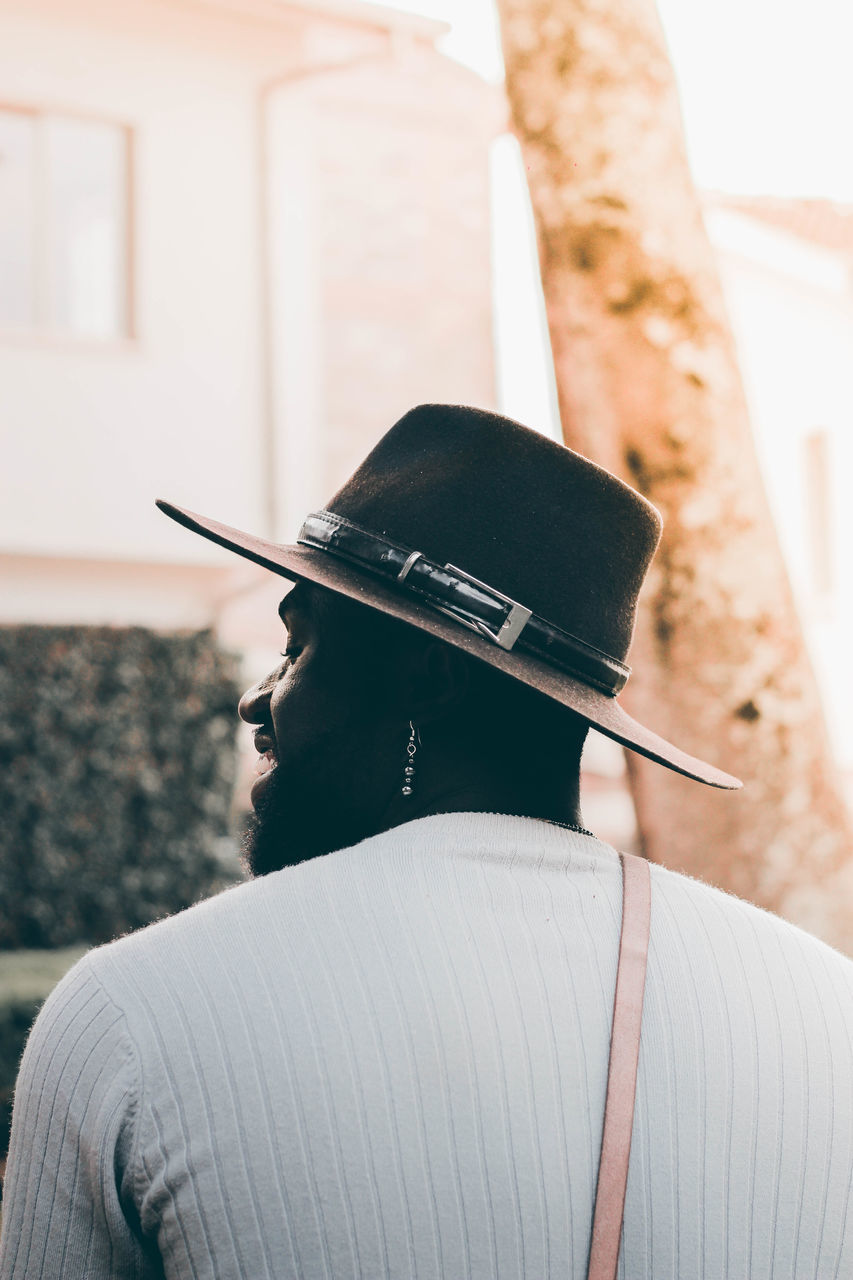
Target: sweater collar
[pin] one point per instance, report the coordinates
(490, 836)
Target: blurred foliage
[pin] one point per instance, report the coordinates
(117, 765)
(26, 980)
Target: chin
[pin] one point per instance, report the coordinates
(291, 824)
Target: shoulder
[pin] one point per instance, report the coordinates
(283, 903)
(694, 919)
(78, 1012)
(80, 1061)
(148, 956)
(165, 960)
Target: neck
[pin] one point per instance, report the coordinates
(542, 789)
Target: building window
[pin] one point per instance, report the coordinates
(64, 225)
(819, 510)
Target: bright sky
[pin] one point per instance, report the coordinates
(766, 86)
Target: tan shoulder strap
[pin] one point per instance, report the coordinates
(622, 1071)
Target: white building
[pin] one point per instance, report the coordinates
(787, 273)
(238, 238)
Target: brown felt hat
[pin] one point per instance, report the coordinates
(500, 541)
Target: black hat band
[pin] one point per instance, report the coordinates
(468, 601)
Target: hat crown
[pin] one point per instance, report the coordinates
(530, 517)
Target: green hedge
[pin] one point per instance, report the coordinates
(117, 765)
(26, 980)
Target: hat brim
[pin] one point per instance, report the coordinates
(600, 709)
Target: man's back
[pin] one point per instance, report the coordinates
(392, 1061)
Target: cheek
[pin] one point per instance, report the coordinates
(294, 705)
(336, 754)
(331, 713)
(308, 704)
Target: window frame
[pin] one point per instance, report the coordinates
(41, 332)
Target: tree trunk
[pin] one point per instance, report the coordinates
(648, 385)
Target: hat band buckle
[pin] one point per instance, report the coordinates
(471, 603)
(513, 625)
(510, 629)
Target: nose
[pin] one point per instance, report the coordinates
(253, 707)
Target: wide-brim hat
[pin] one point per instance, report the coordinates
(501, 542)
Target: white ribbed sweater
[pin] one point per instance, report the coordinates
(391, 1062)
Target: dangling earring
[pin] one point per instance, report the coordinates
(409, 771)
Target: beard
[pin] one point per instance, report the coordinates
(297, 817)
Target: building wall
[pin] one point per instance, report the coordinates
(382, 293)
(94, 431)
(791, 308)
(69, 590)
(405, 213)
(310, 258)
(372, 294)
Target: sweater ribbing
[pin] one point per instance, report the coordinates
(391, 1061)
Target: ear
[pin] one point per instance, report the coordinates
(438, 681)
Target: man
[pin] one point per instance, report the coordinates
(387, 1054)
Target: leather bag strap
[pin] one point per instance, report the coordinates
(622, 1070)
